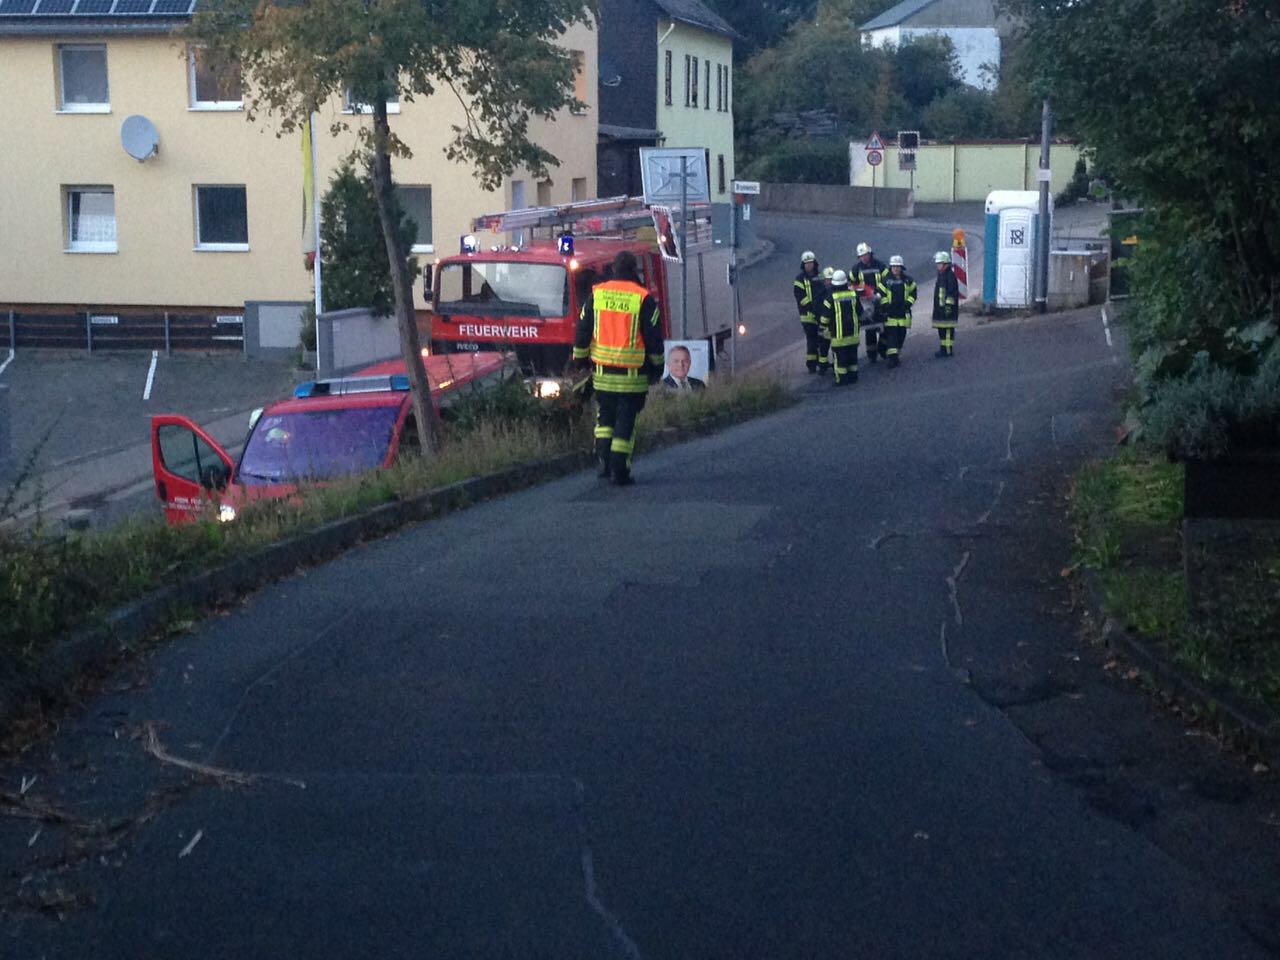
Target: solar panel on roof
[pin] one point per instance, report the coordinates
(172, 6)
(54, 6)
(93, 6)
(17, 6)
(132, 6)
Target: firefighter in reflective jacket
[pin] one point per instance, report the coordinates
(824, 321)
(844, 328)
(946, 304)
(808, 291)
(897, 295)
(620, 333)
(865, 275)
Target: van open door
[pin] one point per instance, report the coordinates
(189, 467)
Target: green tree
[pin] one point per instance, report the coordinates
(1178, 100)
(924, 70)
(499, 58)
(355, 270)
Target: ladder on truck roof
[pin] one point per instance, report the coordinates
(609, 215)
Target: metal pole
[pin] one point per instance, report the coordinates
(13, 331)
(88, 331)
(168, 339)
(315, 219)
(684, 248)
(873, 189)
(733, 284)
(1042, 246)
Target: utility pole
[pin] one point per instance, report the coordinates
(1042, 244)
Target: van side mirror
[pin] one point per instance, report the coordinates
(254, 417)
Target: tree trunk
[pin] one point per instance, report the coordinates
(425, 413)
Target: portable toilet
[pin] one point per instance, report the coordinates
(1009, 259)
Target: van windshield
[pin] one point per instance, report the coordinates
(503, 289)
(317, 444)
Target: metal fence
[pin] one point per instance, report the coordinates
(91, 331)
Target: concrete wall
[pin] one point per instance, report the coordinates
(700, 126)
(953, 173)
(273, 329)
(350, 339)
(835, 200)
(155, 263)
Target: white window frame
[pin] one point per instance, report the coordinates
(195, 104)
(356, 108)
(423, 247)
(195, 213)
(63, 105)
(88, 246)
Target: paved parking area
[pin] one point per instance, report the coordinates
(86, 418)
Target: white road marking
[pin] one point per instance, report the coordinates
(1106, 328)
(8, 360)
(611, 922)
(151, 376)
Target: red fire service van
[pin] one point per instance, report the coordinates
(527, 298)
(328, 428)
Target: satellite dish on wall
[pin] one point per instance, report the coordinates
(139, 137)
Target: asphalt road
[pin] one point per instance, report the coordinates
(811, 688)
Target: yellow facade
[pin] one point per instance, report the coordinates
(710, 123)
(156, 262)
(951, 173)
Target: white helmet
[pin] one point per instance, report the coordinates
(828, 273)
(839, 279)
(864, 249)
(942, 257)
(896, 261)
(808, 257)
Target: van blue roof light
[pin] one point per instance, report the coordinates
(347, 385)
(566, 244)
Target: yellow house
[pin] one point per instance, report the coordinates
(212, 217)
(666, 80)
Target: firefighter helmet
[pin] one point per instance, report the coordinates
(808, 257)
(896, 261)
(942, 257)
(864, 249)
(828, 272)
(839, 279)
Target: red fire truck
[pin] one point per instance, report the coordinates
(527, 297)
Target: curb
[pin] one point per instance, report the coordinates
(1259, 725)
(125, 628)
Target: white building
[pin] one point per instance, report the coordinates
(974, 27)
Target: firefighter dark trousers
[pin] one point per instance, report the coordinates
(824, 350)
(894, 336)
(846, 363)
(877, 342)
(812, 344)
(946, 338)
(616, 431)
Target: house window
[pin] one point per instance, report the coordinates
(215, 85)
(579, 81)
(706, 93)
(517, 203)
(728, 87)
(720, 173)
(82, 79)
(222, 218)
(416, 202)
(578, 189)
(544, 193)
(686, 79)
(91, 219)
(719, 87)
(350, 104)
(667, 75)
(693, 100)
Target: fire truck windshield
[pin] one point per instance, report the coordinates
(503, 289)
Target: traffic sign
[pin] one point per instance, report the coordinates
(875, 143)
(875, 157)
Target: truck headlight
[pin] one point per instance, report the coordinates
(226, 513)
(545, 388)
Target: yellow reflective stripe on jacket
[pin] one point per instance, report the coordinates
(616, 341)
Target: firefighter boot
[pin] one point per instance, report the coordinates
(621, 469)
(602, 458)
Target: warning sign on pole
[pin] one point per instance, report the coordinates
(960, 261)
(875, 143)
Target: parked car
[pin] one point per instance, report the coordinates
(327, 429)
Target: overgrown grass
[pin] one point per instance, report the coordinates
(52, 584)
(1128, 517)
